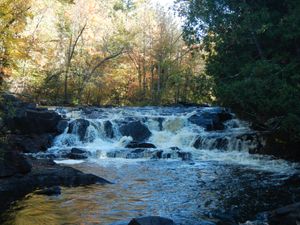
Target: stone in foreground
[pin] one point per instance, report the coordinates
(288, 215)
(151, 220)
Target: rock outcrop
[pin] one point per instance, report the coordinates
(138, 131)
(43, 174)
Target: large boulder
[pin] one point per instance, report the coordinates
(151, 220)
(12, 162)
(79, 127)
(288, 215)
(108, 129)
(62, 126)
(30, 143)
(33, 121)
(138, 131)
(211, 120)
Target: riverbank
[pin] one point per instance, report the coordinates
(26, 128)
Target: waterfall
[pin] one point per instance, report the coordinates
(175, 132)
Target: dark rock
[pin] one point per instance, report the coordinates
(212, 120)
(77, 153)
(256, 140)
(30, 143)
(198, 143)
(62, 126)
(158, 154)
(108, 128)
(201, 121)
(220, 143)
(79, 127)
(140, 145)
(185, 156)
(288, 215)
(175, 148)
(280, 145)
(293, 180)
(160, 123)
(212, 142)
(12, 162)
(166, 155)
(76, 156)
(33, 121)
(44, 173)
(137, 151)
(136, 130)
(56, 190)
(151, 220)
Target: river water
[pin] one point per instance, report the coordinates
(216, 180)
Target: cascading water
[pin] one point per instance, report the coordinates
(190, 164)
(209, 133)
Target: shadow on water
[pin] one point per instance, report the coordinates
(188, 193)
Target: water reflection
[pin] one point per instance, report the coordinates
(187, 193)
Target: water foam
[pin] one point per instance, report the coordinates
(170, 127)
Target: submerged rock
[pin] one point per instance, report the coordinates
(138, 131)
(288, 215)
(151, 220)
(56, 190)
(77, 153)
(140, 145)
(185, 156)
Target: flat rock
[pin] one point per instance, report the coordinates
(44, 174)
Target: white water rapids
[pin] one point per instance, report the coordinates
(169, 127)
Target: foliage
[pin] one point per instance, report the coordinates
(118, 52)
(13, 16)
(253, 55)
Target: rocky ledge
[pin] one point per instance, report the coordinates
(26, 128)
(43, 173)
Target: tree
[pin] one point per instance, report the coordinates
(254, 58)
(12, 23)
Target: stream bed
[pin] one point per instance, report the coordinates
(198, 170)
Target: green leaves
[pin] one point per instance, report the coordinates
(254, 55)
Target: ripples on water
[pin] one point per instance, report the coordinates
(215, 185)
(187, 193)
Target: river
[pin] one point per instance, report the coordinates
(214, 180)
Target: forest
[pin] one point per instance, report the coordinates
(93, 52)
(241, 54)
